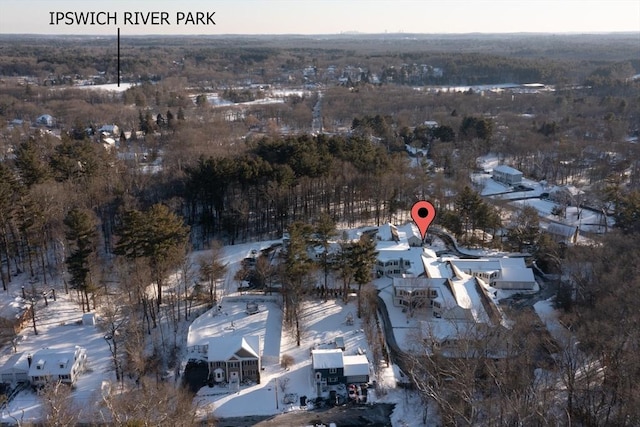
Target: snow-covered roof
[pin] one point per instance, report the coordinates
(13, 309)
(506, 170)
(327, 358)
(468, 296)
(356, 365)
(390, 250)
(563, 230)
(399, 234)
(415, 256)
(108, 128)
(223, 348)
(16, 363)
(509, 274)
(388, 232)
(55, 361)
(409, 230)
(512, 269)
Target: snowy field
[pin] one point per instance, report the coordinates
(110, 87)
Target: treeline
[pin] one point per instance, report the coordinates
(281, 180)
(267, 61)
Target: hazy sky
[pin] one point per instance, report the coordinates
(335, 16)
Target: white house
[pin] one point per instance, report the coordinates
(500, 273)
(62, 365)
(461, 299)
(401, 260)
(507, 175)
(456, 309)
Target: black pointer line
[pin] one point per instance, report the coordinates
(118, 56)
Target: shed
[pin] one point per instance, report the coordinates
(89, 319)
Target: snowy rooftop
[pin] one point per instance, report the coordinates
(507, 169)
(54, 361)
(222, 348)
(415, 255)
(510, 268)
(356, 365)
(327, 358)
(468, 296)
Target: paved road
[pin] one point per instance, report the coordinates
(376, 415)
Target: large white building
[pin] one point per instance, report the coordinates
(64, 365)
(507, 175)
(500, 273)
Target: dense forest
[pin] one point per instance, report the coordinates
(199, 161)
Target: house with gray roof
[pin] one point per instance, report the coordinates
(507, 175)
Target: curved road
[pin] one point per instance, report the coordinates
(395, 353)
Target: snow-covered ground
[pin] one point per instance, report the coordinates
(59, 326)
(586, 220)
(109, 87)
(322, 323)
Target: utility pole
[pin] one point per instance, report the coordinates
(275, 381)
(33, 315)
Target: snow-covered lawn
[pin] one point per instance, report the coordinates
(229, 319)
(59, 326)
(585, 219)
(323, 322)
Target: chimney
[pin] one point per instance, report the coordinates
(29, 359)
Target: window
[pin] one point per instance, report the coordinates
(333, 371)
(332, 379)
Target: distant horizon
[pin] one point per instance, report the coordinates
(346, 33)
(329, 17)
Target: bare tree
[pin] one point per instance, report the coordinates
(152, 403)
(58, 406)
(114, 324)
(212, 270)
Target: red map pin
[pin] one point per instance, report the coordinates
(423, 214)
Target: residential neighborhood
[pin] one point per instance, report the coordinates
(321, 228)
